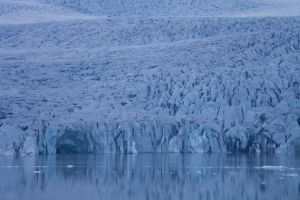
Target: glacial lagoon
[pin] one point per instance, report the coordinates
(150, 176)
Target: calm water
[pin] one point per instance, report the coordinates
(150, 176)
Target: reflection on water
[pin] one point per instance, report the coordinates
(150, 176)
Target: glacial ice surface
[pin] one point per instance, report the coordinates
(113, 76)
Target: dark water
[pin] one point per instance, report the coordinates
(150, 176)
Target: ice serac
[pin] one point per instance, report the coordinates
(128, 80)
(15, 140)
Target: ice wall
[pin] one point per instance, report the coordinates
(152, 136)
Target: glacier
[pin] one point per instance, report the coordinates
(88, 76)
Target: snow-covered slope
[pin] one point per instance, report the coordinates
(94, 76)
(13, 12)
(155, 8)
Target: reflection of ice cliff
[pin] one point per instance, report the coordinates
(152, 176)
(167, 84)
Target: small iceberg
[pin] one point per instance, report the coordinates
(272, 167)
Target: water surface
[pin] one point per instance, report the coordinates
(150, 176)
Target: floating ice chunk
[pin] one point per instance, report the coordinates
(281, 178)
(42, 166)
(10, 166)
(292, 175)
(271, 167)
(232, 172)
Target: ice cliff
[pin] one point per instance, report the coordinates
(93, 77)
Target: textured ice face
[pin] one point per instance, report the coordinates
(144, 137)
(149, 84)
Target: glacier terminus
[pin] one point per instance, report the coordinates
(134, 76)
